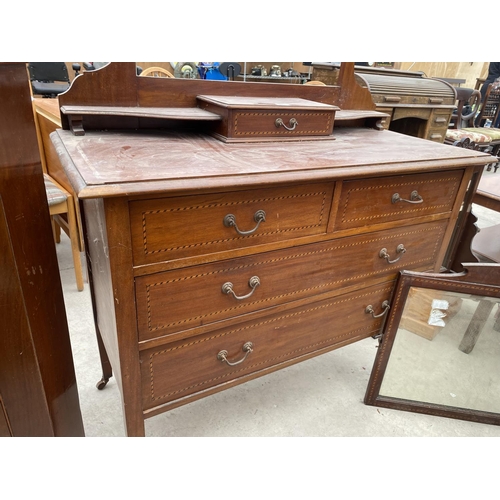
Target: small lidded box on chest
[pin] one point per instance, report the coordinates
(268, 118)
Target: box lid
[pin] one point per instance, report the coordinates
(242, 102)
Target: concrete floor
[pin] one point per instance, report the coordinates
(317, 398)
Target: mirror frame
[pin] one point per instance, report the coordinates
(476, 279)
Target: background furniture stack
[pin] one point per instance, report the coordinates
(416, 105)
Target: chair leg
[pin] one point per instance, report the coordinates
(56, 230)
(75, 247)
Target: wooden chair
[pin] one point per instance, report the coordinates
(490, 107)
(314, 82)
(62, 207)
(463, 133)
(157, 72)
(62, 214)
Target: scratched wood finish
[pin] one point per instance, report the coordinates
(37, 379)
(148, 163)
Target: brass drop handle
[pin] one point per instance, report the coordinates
(253, 283)
(383, 254)
(258, 217)
(414, 198)
(292, 124)
(369, 309)
(247, 349)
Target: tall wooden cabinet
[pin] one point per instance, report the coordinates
(38, 392)
(213, 263)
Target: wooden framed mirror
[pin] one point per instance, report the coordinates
(440, 350)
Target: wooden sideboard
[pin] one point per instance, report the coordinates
(213, 263)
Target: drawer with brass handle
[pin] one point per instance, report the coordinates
(374, 201)
(174, 228)
(268, 118)
(179, 369)
(183, 300)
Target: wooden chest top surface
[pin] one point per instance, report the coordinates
(103, 164)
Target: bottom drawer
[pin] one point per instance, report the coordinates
(187, 367)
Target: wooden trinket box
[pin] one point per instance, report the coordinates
(247, 119)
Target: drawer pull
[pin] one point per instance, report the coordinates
(414, 198)
(369, 309)
(253, 283)
(383, 254)
(247, 349)
(230, 221)
(291, 124)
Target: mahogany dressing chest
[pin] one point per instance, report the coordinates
(213, 262)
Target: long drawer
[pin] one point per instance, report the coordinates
(378, 200)
(187, 298)
(173, 228)
(186, 367)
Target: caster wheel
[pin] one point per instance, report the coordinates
(102, 383)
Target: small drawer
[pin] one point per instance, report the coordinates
(436, 135)
(375, 201)
(264, 118)
(174, 228)
(184, 368)
(440, 120)
(282, 124)
(189, 298)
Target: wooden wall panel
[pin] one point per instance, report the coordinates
(466, 70)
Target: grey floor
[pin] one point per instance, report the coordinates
(317, 398)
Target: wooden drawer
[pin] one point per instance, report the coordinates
(299, 123)
(440, 119)
(438, 124)
(259, 118)
(436, 134)
(192, 297)
(406, 112)
(183, 368)
(374, 201)
(173, 228)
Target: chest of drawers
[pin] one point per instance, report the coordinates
(213, 263)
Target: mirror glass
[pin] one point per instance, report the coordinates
(446, 351)
(440, 348)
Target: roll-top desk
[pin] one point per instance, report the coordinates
(212, 263)
(416, 105)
